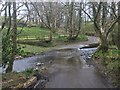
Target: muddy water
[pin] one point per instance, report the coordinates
(30, 62)
(21, 65)
(74, 72)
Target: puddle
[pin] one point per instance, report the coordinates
(74, 73)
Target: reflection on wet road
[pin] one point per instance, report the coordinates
(74, 72)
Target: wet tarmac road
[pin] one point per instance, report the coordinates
(75, 73)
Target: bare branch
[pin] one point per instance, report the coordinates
(39, 15)
(23, 25)
(113, 10)
(87, 14)
(95, 19)
(111, 26)
(3, 8)
(20, 6)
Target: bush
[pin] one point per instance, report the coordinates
(6, 50)
(88, 29)
(82, 37)
(110, 61)
(21, 24)
(61, 38)
(29, 72)
(36, 43)
(113, 69)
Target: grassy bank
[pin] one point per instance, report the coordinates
(32, 32)
(37, 33)
(30, 50)
(33, 47)
(33, 40)
(108, 64)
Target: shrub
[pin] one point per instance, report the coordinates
(28, 72)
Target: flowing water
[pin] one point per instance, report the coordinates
(21, 65)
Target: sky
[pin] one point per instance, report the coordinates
(22, 12)
(60, 0)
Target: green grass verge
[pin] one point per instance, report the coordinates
(109, 63)
(34, 33)
(41, 33)
(34, 49)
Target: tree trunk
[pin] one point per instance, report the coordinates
(14, 40)
(71, 21)
(94, 17)
(50, 35)
(10, 65)
(118, 44)
(9, 27)
(79, 21)
(104, 44)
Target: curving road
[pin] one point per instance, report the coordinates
(91, 39)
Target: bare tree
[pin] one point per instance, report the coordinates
(102, 22)
(73, 19)
(45, 16)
